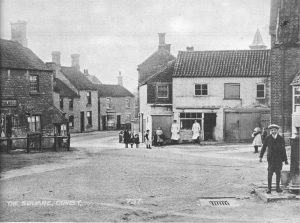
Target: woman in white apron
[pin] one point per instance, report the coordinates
(175, 132)
(196, 131)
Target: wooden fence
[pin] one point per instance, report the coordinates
(35, 142)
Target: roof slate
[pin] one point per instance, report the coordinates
(14, 56)
(231, 63)
(296, 80)
(78, 79)
(64, 91)
(110, 90)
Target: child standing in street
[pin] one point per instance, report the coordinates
(256, 135)
(147, 140)
(136, 140)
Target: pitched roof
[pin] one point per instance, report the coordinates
(296, 80)
(78, 79)
(64, 91)
(231, 63)
(13, 55)
(110, 90)
(154, 63)
(164, 75)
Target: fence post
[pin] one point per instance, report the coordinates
(28, 144)
(40, 139)
(55, 142)
(68, 141)
(9, 144)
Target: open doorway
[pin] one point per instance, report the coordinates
(209, 126)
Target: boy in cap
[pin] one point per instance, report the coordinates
(276, 154)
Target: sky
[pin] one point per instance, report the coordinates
(115, 36)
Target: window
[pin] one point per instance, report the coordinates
(9, 103)
(89, 97)
(108, 102)
(61, 103)
(232, 91)
(201, 89)
(71, 104)
(162, 91)
(34, 123)
(71, 121)
(187, 119)
(127, 101)
(34, 83)
(260, 91)
(89, 117)
(128, 118)
(297, 99)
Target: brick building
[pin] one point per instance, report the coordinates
(116, 107)
(76, 95)
(26, 92)
(285, 60)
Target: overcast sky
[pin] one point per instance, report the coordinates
(117, 35)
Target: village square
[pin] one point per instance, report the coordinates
(191, 135)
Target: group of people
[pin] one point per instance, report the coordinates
(130, 138)
(276, 153)
(175, 129)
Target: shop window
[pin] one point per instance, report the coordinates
(187, 119)
(34, 123)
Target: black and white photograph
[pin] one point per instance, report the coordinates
(150, 111)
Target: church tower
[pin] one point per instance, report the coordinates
(285, 59)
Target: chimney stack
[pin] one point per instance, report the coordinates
(18, 32)
(56, 57)
(190, 48)
(161, 39)
(86, 72)
(75, 61)
(120, 79)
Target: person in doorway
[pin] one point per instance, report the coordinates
(276, 154)
(126, 138)
(159, 136)
(196, 129)
(136, 140)
(175, 132)
(256, 135)
(147, 140)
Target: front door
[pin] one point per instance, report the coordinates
(118, 121)
(81, 121)
(209, 126)
(103, 122)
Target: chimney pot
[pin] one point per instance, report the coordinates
(18, 32)
(120, 79)
(161, 39)
(75, 61)
(189, 48)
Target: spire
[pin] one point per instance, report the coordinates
(258, 43)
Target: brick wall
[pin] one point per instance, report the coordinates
(15, 85)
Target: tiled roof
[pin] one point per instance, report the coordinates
(296, 80)
(154, 63)
(14, 56)
(110, 90)
(78, 79)
(64, 91)
(165, 74)
(232, 63)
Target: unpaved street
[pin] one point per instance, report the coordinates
(102, 181)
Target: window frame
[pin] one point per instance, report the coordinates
(232, 98)
(257, 91)
(89, 118)
(127, 102)
(108, 103)
(71, 121)
(188, 118)
(71, 104)
(33, 125)
(89, 97)
(201, 90)
(34, 84)
(9, 103)
(162, 85)
(294, 99)
(61, 103)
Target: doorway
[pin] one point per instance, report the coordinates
(209, 126)
(104, 123)
(118, 122)
(81, 121)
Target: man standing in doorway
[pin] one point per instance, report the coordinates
(276, 154)
(175, 132)
(196, 128)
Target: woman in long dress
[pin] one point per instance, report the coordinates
(196, 128)
(175, 132)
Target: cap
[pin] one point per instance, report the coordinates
(272, 126)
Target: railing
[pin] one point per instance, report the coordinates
(35, 142)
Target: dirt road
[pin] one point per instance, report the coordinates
(102, 181)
